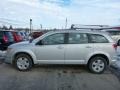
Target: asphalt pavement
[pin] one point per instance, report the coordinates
(56, 77)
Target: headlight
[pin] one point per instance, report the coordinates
(9, 49)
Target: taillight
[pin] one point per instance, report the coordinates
(5, 39)
(115, 46)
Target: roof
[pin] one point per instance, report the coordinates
(78, 31)
(111, 30)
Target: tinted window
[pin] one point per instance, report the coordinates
(77, 38)
(1, 35)
(114, 32)
(54, 39)
(95, 38)
(10, 36)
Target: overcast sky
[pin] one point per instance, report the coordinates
(52, 13)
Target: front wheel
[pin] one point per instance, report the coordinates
(23, 62)
(97, 65)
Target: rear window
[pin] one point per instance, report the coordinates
(114, 32)
(96, 38)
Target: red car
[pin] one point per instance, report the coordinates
(17, 37)
(38, 34)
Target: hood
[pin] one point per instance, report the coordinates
(20, 44)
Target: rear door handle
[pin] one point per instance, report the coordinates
(88, 47)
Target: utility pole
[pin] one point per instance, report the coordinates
(66, 23)
(41, 26)
(30, 26)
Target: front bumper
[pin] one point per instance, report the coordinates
(8, 58)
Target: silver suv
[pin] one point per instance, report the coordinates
(91, 48)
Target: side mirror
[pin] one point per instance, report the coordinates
(30, 40)
(118, 43)
(40, 43)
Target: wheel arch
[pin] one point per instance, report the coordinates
(26, 53)
(102, 55)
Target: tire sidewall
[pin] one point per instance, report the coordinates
(96, 58)
(29, 60)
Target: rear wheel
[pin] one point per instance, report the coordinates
(23, 62)
(97, 64)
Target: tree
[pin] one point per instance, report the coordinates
(5, 27)
(10, 27)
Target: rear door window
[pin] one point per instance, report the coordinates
(96, 38)
(77, 38)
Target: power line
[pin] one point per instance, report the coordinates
(66, 21)
(11, 23)
(10, 20)
(4, 22)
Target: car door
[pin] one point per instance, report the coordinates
(78, 48)
(51, 49)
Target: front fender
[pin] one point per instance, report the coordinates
(29, 52)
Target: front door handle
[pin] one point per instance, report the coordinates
(60, 47)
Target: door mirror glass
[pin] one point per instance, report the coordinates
(40, 43)
(118, 43)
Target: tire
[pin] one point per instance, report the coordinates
(23, 62)
(97, 65)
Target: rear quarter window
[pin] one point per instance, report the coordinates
(96, 38)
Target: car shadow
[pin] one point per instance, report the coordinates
(65, 68)
(48, 68)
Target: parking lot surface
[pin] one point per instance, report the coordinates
(56, 77)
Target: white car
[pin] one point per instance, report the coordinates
(91, 48)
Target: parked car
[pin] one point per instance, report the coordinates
(115, 33)
(36, 34)
(24, 36)
(17, 37)
(91, 48)
(6, 39)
